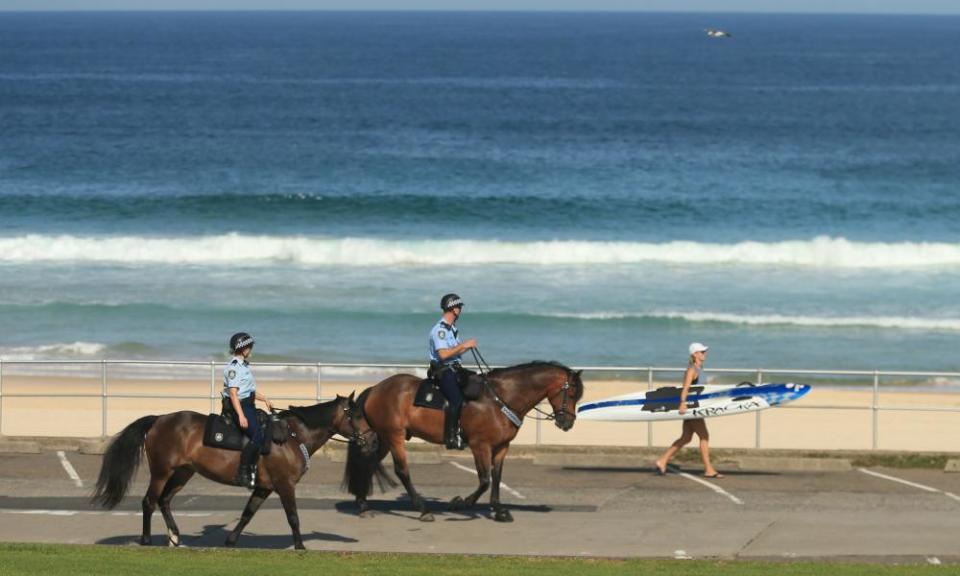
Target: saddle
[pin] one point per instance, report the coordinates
(430, 396)
(221, 431)
(666, 399)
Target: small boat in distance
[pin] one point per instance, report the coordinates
(717, 33)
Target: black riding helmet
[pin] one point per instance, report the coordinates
(239, 341)
(450, 301)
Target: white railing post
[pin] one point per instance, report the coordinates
(103, 401)
(876, 410)
(319, 385)
(756, 443)
(213, 387)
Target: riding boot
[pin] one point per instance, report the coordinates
(452, 433)
(247, 472)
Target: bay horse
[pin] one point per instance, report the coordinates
(173, 444)
(388, 408)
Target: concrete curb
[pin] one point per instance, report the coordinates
(953, 465)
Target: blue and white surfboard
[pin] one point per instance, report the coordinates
(702, 402)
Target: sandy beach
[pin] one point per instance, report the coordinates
(39, 406)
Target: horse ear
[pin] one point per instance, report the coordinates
(352, 394)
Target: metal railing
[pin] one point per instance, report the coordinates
(213, 393)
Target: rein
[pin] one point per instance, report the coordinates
(509, 413)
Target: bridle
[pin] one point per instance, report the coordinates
(355, 437)
(560, 415)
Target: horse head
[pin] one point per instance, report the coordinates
(350, 423)
(563, 394)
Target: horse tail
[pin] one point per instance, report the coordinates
(361, 470)
(120, 463)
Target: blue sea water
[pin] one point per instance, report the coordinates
(600, 188)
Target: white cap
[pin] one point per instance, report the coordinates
(698, 347)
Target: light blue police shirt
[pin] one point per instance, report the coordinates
(444, 336)
(237, 374)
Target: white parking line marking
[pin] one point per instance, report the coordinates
(681, 555)
(94, 513)
(912, 484)
(709, 485)
(502, 484)
(69, 468)
(933, 560)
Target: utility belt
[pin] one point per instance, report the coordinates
(247, 402)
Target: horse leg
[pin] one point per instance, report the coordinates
(174, 485)
(364, 510)
(500, 514)
(398, 448)
(288, 497)
(253, 504)
(482, 460)
(149, 502)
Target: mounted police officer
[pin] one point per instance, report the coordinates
(239, 394)
(445, 351)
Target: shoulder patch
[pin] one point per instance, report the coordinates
(441, 334)
(232, 374)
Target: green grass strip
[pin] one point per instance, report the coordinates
(71, 560)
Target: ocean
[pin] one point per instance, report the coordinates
(601, 189)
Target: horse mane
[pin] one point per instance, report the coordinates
(530, 365)
(316, 416)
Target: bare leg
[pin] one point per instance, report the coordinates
(398, 448)
(700, 427)
(288, 497)
(685, 437)
(500, 514)
(483, 461)
(174, 485)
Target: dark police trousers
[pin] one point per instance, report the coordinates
(247, 472)
(450, 387)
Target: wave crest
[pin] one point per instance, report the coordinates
(886, 322)
(819, 252)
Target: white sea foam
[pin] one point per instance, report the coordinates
(69, 351)
(820, 252)
(886, 322)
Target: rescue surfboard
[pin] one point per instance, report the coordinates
(706, 401)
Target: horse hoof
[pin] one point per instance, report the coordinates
(426, 517)
(144, 541)
(367, 513)
(503, 515)
(230, 543)
(456, 504)
(299, 546)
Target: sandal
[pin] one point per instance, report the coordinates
(715, 475)
(660, 471)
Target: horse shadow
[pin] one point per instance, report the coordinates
(402, 507)
(214, 536)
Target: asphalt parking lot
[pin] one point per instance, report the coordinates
(879, 514)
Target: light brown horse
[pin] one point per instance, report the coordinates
(174, 447)
(389, 409)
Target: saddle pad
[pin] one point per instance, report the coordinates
(429, 396)
(220, 432)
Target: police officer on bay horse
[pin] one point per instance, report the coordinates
(239, 394)
(445, 351)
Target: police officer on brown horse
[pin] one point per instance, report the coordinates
(445, 351)
(239, 394)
